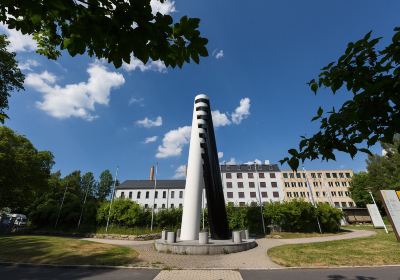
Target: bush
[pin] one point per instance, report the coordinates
(170, 218)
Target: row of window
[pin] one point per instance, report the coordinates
(252, 194)
(250, 175)
(147, 194)
(251, 185)
(315, 184)
(163, 205)
(248, 167)
(317, 194)
(317, 175)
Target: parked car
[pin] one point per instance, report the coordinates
(20, 219)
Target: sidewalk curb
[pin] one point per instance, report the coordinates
(73, 266)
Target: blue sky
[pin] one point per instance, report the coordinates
(95, 117)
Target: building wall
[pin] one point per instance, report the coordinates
(330, 186)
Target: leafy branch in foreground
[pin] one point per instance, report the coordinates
(373, 113)
(109, 29)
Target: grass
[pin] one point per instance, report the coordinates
(61, 250)
(381, 249)
(126, 230)
(291, 235)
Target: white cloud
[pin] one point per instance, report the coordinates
(150, 139)
(173, 142)
(134, 100)
(146, 122)
(163, 8)
(219, 54)
(135, 63)
(75, 100)
(220, 119)
(180, 172)
(257, 161)
(18, 41)
(231, 161)
(220, 154)
(241, 112)
(28, 64)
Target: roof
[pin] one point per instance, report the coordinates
(149, 184)
(246, 168)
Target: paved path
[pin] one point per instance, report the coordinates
(256, 258)
(50, 273)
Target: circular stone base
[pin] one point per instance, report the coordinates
(214, 247)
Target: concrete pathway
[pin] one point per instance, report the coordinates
(256, 258)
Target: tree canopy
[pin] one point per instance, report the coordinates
(11, 78)
(107, 29)
(372, 77)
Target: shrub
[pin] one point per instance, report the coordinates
(170, 218)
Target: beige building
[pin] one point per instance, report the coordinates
(330, 186)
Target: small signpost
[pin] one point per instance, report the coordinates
(391, 203)
(375, 216)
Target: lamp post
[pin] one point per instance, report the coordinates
(259, 196)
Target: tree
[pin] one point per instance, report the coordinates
(373, 112)
(105, 184)
(109, 29)
(89, 184)
(24, 170)
(11, 78)
(359, 189)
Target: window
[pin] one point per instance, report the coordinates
(264, 194)
(147, 194)
(337, 184)
(172, 194)
(340, 193)
(164, 194)
(251, 185)
(156, 194)
(298, 175)
(300, 184)
(330, 184)
(317, 194)
(130, 194)
(180, 194)
(313, 175)
(163, 206)
(302, 194)
(334, 175)
(263, 185)
(347, 193)
(287, 184)
(241, 194)
(293, 184)
(253, 194)
(272, 175)
(228, 175)
(138, 195)
(315, 184)
(239, 175)
(241, 204)
(240, 184)
(348, 176)
(289, 194)
(304, 175)
(341, 175)
(180, 205)
(319, 175)
(284, 175)
(333, 193)
(261, 175)
(229, 194)
(291, 175)
(229, 185)
(250, 175)
(337, 204)
(155, 206)
(344, 184)
(146, 206)
(344, 204)
(274, 184)
(328, 175)
(351, 204)
(275, 194)
(122, 195)
(231, 204)
(323, 193)
(172, 205)
(296, 194)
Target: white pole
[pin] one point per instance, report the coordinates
(83, 206)
(312, 197)
(154, 197)
(202, 205)
(112, 198)
(259, 196)
(370, 193)
(62, 203)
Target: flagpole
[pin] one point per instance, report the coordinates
(312, 198)
(83, 206)
(112, 198)
(259, 196)
(62, 203)
(154, 197)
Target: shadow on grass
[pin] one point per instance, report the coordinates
(60, 250)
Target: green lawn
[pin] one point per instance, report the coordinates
(61, 250)
(290, 235)
(375, 250)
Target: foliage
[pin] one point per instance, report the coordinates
(11, 78)
(373, 114)
(168, 218)
(24, 170)
(359, 189)
(105, 184)
(109, 29)
(301, 216)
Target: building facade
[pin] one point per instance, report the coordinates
(246, 184)
(331, 186)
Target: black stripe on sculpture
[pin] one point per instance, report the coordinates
(217, 218)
